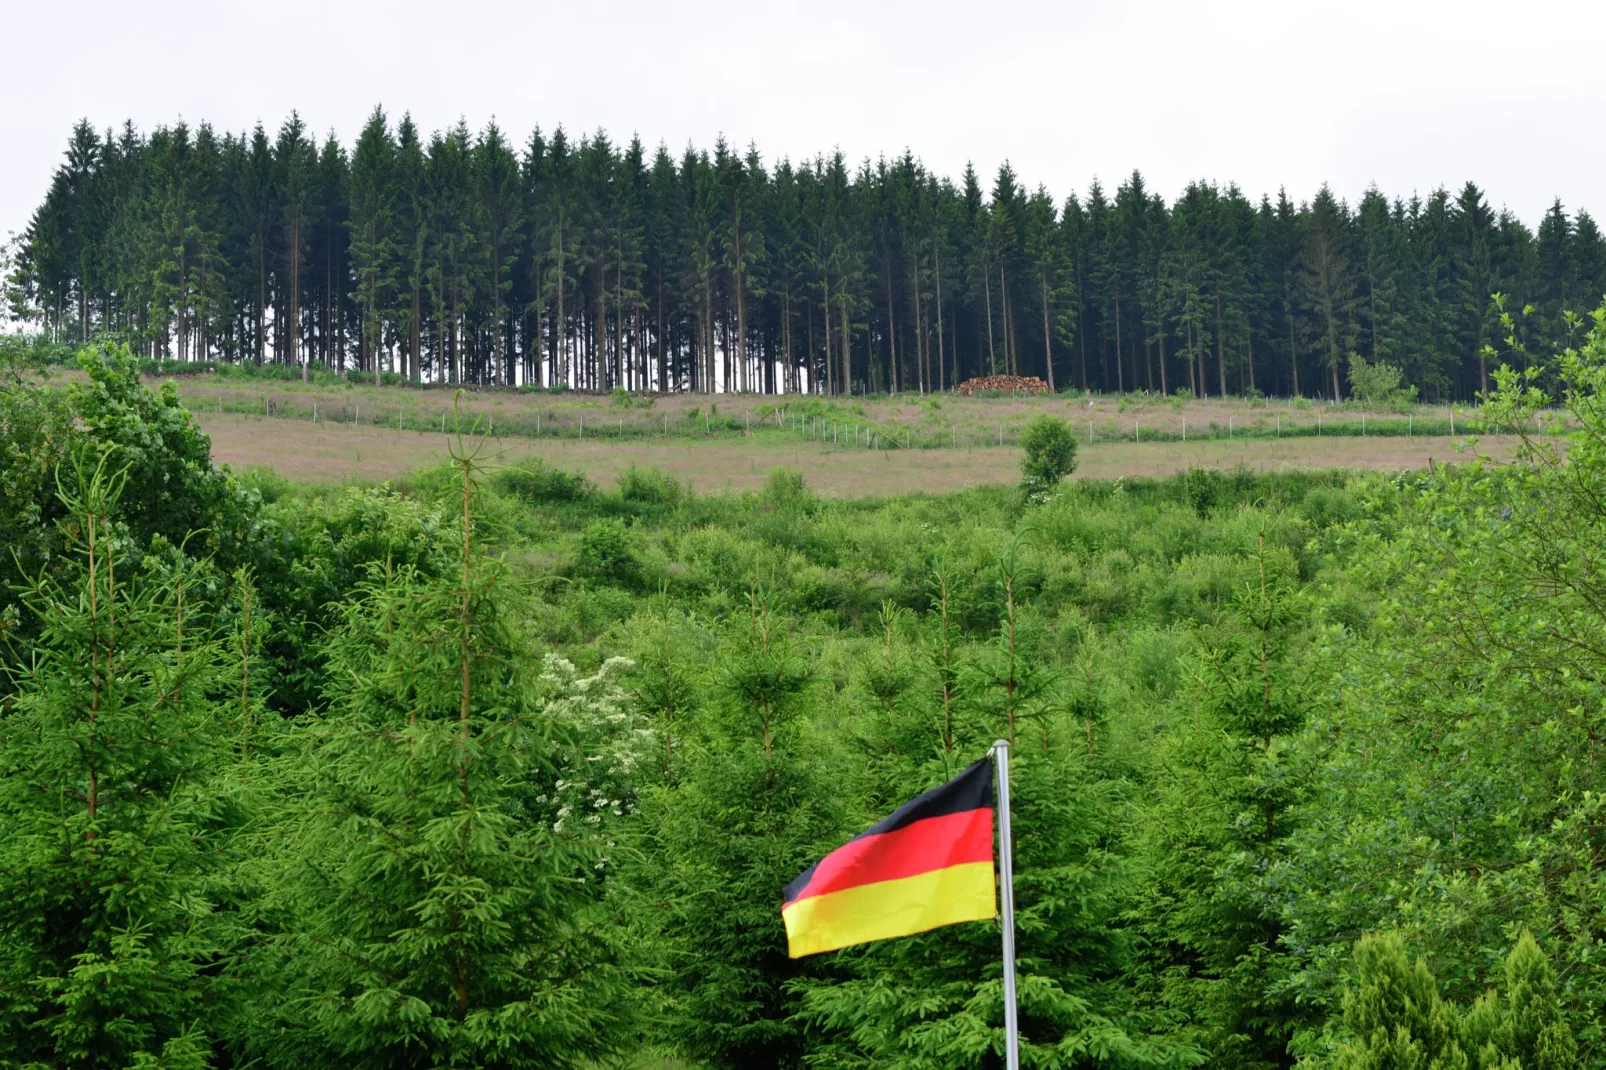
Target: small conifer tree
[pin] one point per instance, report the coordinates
(1227, 805)
(111, 847)
(1395, 1013)
(751, 807)
(1396, 1019)
(1540, 1038)
(441, 892)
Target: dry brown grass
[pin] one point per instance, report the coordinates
(328, 453)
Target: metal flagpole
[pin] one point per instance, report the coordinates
(1006, 873)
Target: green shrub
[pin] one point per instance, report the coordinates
(608, 554)
(620, 398)
(1377, 383)
(1050, 447)
(1396, 1017)
(1326, 506)
(785, 488)
(536, 482)
(649, 486)
(270, 485)
(1206, 490)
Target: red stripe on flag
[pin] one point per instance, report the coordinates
(920, 847)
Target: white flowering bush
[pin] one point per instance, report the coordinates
(608, 741)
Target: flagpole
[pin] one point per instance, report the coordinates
(1006, 872)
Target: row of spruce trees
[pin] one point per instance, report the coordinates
(462, 257)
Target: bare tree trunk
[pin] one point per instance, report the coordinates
(262, 304)
(941, 374)
(1193, 386)
(619, 324)
(1221, 349)
(293, 341)
(328, 292)
(708, 328)
(739, 358)
(1120, 377)
(922, 346)
(663, 364)
(786, 340)
(415, 338)
(1293, 357)
(992, 356)
(183, 304)
(497, 355)
(847, 343)
(1009, 326)
(560, 337)
(830, 361)
(892, 339)
(1160, 341)
(1048, 345)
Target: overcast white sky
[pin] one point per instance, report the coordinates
(1410, 95)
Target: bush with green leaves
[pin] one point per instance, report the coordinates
(650, 486)
(1379, 384)
(1050, 447)
(786, 488)
(1205, 489)
(608, 554)
(536, 483)
(172, 489)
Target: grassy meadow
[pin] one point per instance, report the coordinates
(332, 431)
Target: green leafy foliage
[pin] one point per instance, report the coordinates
(608, 554)
(649, 486)
(170, 493)
(1050, 447)
(536, 483)
(1379, 384)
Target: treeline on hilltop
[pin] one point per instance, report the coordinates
(462, 257)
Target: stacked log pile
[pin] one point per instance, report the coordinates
(1007, 384)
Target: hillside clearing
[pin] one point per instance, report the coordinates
(332, 453)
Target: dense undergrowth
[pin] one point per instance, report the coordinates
(495, 767)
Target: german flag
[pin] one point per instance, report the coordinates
(930, 864)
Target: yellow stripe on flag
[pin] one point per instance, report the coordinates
(886, 909)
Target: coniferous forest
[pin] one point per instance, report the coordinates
(463, 257)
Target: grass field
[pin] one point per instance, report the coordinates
(920, 422)
(332, 452)
(848, 447)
